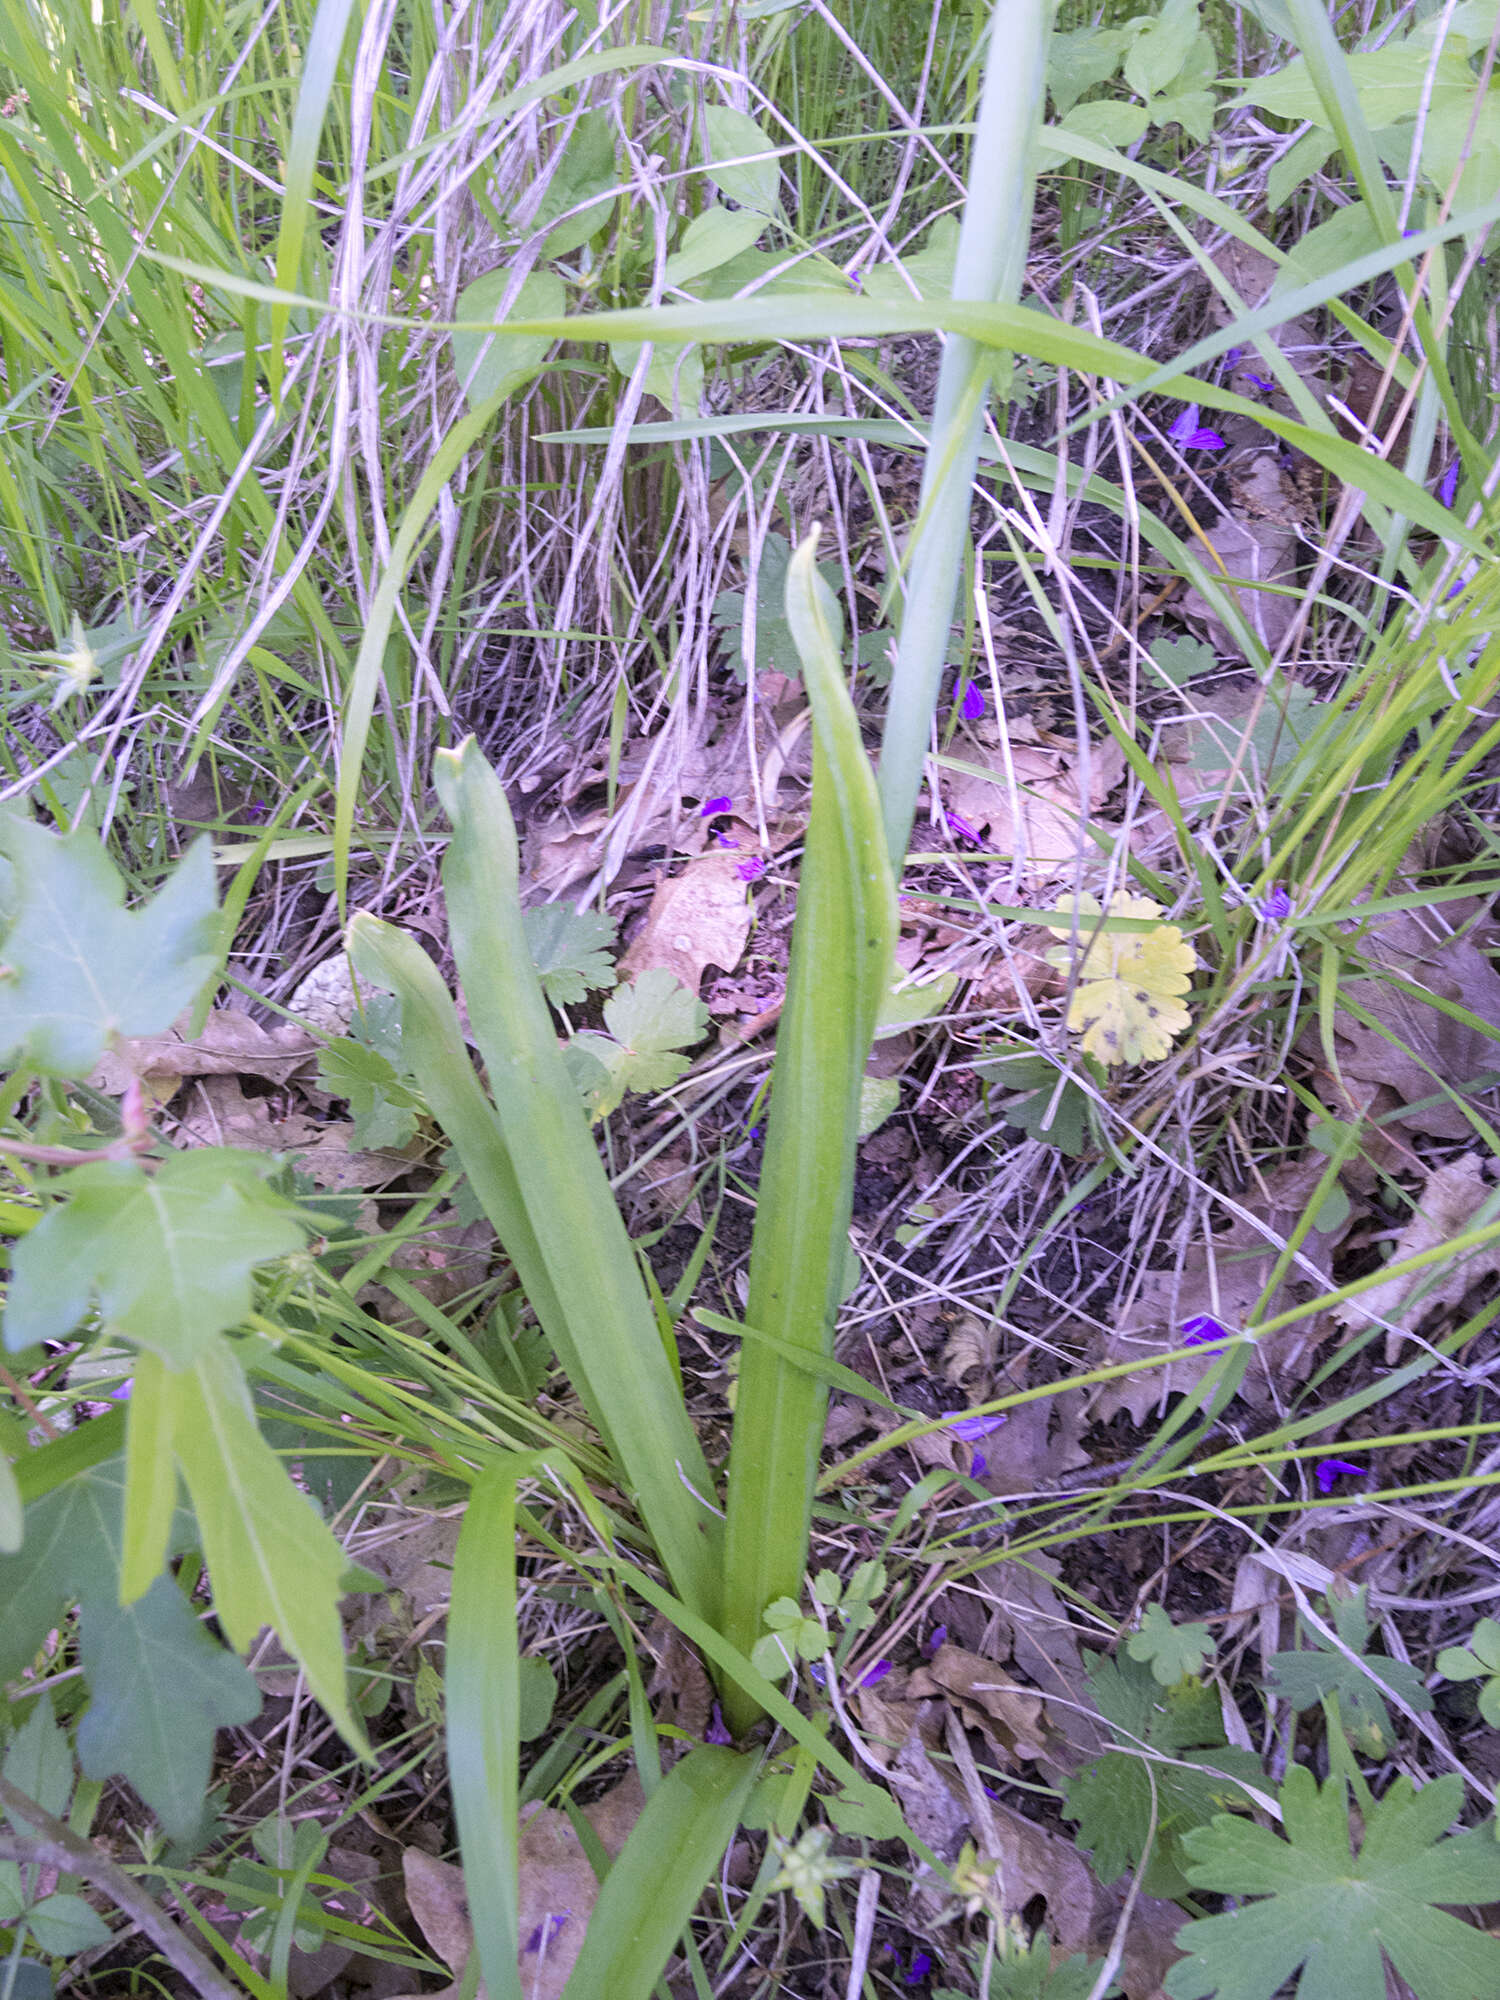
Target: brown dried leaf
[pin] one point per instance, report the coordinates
(231, 1045)
(987, 1698)
(1418, 947)
(558, 1890)
(1033, 804)
(1448, 1205)
(696, 919)
(1223, 1278)
(1043, 1645)
(1256, 541)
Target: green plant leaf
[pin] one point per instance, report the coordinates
(1110, 1799)
(865, 1812)
(78, 966)
(586, 168)
(384, 1109)
(159, 1689)
(1479, 1660)
(775, 648)
(1156, 57)
(64, 1924)
(663, 1868)
(839, 971)
(272, 1560)
(38, 1761)
(711, 240)
(167, 1256)
(1078, 61)
(1026, 1972)
(1174, 1651)
(1334, 1914)
(491, 364)
(71, 1554)
(1304, 1678)
(649, 1021)
(754, 180)
(568, 948)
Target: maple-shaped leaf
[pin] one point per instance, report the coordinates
(77, 967)
(159, 1685)
(1335, 1915)
(1173, 1651)
(649, 1021)
(1125, 1003)
(568, 949)
(160, 1688)
(168, 1255)
(1305, 1678)
(1195, 1776)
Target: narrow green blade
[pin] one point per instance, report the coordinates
(622, 1370)
(482, 1696)
(840, 963)
(663, 1868)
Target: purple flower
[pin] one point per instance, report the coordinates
(971, 701)
(122, 1394)
(1203, 1330)
(1449, 486)
(1329, 1469)
(873, 1675)
(921, 1965)
(819, 1672)
(257, 809)
(936, 1639)
(547, 1930)
(1260, 382)
(970, 1429)
(963, 833)
(716, 1732)
(1275, 908)
(751, 870)
(1232, 355)
(711, 806)
(1188, 433)
(979, 1465)
(723, 840)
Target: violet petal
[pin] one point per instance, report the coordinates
(979, 1465)
(961, 830)
(1329, 1469)
(1203, 1330)
(873, 1675)
(710, 807)
(751, 870)
(1203, 440)
(973, 702)
(970, 1429)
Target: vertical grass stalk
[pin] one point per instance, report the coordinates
(991, 259)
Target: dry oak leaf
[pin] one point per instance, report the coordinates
(1421, 1042)
(986, 1697)
(1450, 1204)
(1223, 1278)
(1033, 803)
(1126, 1003)
(1257, 545)
(696, 919)
(558, 1890)
(231, 1044)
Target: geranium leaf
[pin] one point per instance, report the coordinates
(648, 1021)
(159, 1689)
(1334, 1916)
(1305, 1678)
(168, 1256)
(1125, 1003)
(1174, 1651)
(568, 949)
(78, 966)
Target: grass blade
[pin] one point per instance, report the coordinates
(482, 1696)
(622, 1367)
(991, 257)
(840, 963)
(664, 1867)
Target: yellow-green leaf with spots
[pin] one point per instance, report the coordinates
(1126, 1003)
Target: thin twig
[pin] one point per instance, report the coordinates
(57, 1846)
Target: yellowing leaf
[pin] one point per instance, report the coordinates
(1125, 1004)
